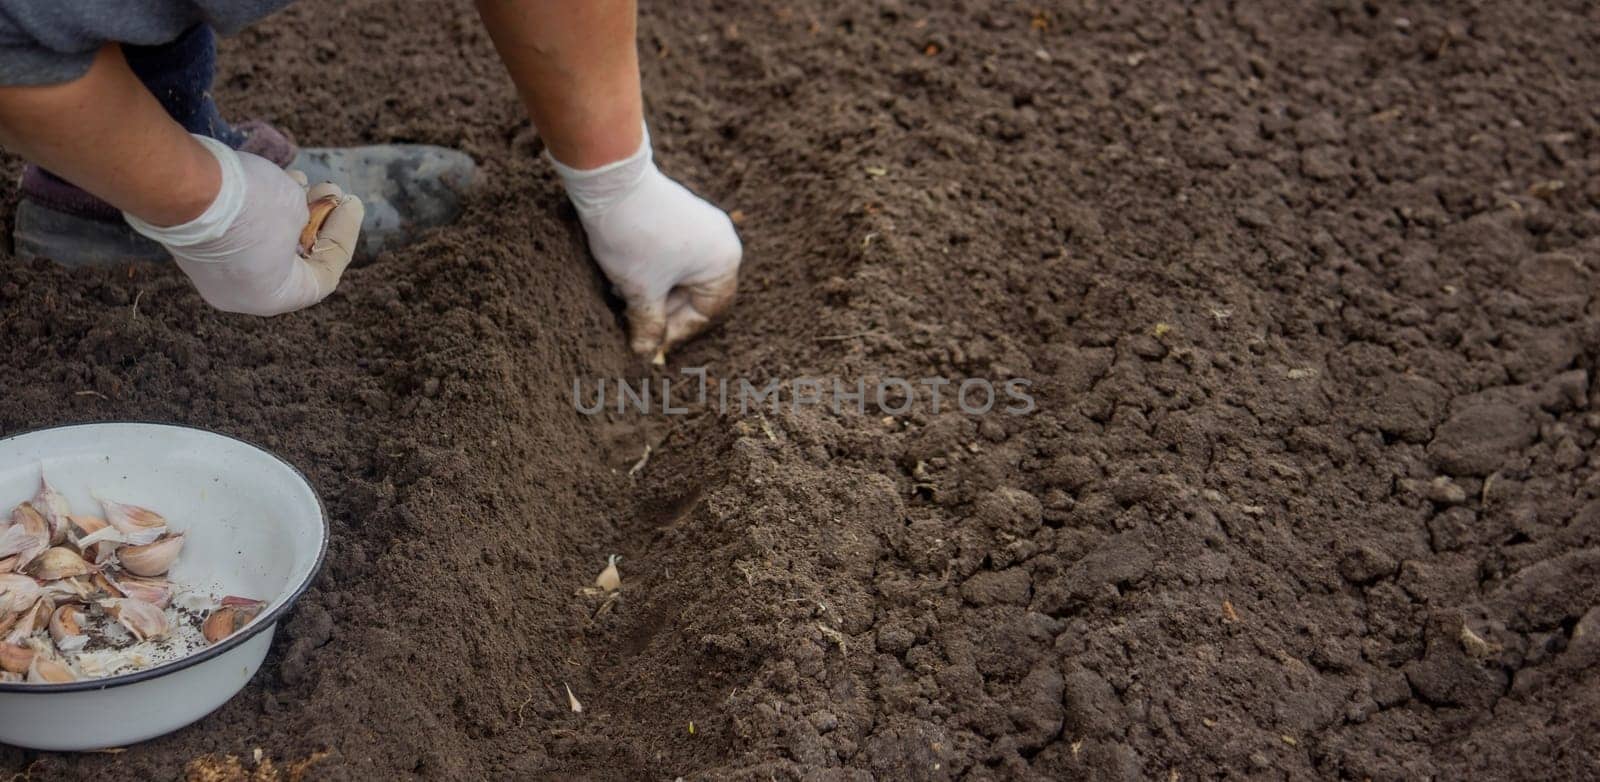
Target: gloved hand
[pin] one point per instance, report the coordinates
(242, 253)
(673, 257)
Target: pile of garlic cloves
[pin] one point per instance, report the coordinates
(84, 597)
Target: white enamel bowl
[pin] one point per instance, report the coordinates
(255, 529)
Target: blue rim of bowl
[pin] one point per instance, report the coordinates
(214, 651)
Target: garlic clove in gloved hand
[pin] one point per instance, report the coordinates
(319, 209)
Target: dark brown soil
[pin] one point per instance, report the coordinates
(1305, 289)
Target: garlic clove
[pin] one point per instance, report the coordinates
(138, 525)
(233, 616)
(108, 536)
(27, 537)
(103, 582)
(142, 619)
(48, 671)
(86, 525)
(55, 509)
(17, 592)
(80, 528)
(572, 700)
(609, 579)
(95, 538)
(68, 590)
(319, 210)
(151, 559)
(31, 621)
(15, 658)
(219, 624)
(66, 622)
(155, 591)
(58, 563)
(99, 553)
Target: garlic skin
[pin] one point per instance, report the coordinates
(55, 509)
(58, 563)
(46, 671)
(152, 559)
(15, 658)
(137, 525)
(96, 550)
(145, 621)
(68, 590)
(27, 537)
(8, 564)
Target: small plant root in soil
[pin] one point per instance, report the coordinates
(1306, 294)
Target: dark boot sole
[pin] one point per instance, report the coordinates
(71, 240)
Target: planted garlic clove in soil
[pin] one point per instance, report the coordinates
(142, 619)
(152, 559)
(138, 526)
(609, 579)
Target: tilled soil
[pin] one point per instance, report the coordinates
(1305, 292)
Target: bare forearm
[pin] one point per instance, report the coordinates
(576, 66)
(107, 134)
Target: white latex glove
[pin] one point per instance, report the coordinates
(242, 253)
(673, 257)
